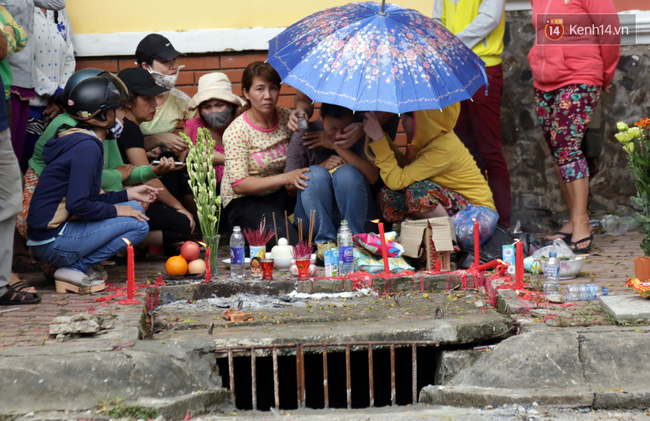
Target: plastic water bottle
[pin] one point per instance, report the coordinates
(552, 272)
(614, 225)
(237, 253)
(346, 253)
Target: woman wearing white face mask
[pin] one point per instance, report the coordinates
(217, 107)
(159, 57)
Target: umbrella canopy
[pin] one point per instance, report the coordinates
(367, 59)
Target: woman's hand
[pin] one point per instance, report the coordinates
(125, 170)
(218, 158)
(189, 216)
(293, 119)
(166, 165)
(297, 178)
(171, 142)
(315, 139)
(372, 127)
(350, 135)
(332, 162)
(125, 210)
(143, 193)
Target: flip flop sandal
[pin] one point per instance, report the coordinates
(583, 250)
(13, 297)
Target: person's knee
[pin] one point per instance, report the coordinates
(317, 174)
(348, 177)
(135, 205)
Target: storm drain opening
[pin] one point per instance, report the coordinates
(327, 375)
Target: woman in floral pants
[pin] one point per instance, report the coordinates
(568, 76)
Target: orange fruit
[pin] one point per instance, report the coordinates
(176, 265)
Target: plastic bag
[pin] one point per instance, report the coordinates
(559, 247)
(372, 243)
(464, 224)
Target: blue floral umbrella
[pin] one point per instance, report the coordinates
(367, 58)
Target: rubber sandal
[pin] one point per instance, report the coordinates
(583, 250)
(14, 297)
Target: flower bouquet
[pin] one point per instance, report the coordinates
(203, 182)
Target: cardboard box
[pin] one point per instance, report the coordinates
(441, 236)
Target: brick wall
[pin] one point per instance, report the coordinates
(232, 64)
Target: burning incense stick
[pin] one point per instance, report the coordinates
(286, 222)
(312, 216)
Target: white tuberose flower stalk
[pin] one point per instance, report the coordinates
(203, 182)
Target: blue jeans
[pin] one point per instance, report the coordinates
(342, 195)
(83, 244)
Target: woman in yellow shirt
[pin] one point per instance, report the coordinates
(437, 176)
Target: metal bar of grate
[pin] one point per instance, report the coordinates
(414, 375)
(393, 392)
(253, 379)
(371, 377)
(300, 375)
(348, 377)
(231, 373)
(326, 386)
(276, 379)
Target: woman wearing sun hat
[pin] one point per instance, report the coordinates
(217, 107)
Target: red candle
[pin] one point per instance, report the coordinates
(477, 244)
(489, 265)
(130, 269)
(519, 265)
(438, 265)
(384, 250)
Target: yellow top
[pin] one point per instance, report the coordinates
(458, 15)
(439, 156)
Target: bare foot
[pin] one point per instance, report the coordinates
(19, 284)
(566, 229)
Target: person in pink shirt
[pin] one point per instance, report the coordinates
(217, 107)
(570, 68)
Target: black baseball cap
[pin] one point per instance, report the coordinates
(139, 81)
(157, 47)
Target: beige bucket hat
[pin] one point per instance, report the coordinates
(215, 86)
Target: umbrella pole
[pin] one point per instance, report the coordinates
(383, 3)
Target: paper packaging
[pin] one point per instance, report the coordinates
(442, 234)
(331, 258)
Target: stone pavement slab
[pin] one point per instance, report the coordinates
(627, 307)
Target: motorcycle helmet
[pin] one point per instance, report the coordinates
(77, 77)
(92, 98)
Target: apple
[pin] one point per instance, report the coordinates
(190, 250)
(196, 266)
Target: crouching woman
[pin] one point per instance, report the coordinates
(70, 224)
(436, 177)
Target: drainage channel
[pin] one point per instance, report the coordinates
(327, 375)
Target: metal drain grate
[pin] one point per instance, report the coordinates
(341, 362)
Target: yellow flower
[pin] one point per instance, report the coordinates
(629, 147)
(623, 137)
(621, 126)
(635, 132)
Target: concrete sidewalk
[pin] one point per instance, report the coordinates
(174, 373)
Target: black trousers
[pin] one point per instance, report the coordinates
(174, 225)
(248, 211)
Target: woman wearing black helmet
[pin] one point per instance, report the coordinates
(70, 224)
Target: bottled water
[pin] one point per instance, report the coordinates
(585, 292)
(552, 272)
(237, 253)
(346, 254)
